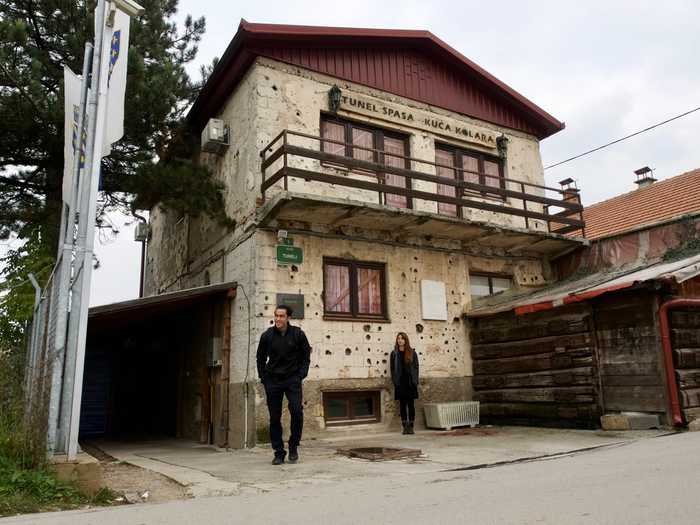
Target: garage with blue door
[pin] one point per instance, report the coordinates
(156, 367)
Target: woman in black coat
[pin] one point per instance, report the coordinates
(404, 374)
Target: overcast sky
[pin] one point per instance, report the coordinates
(606, 69)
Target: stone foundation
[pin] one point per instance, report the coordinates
(85, 471)
(432, 390)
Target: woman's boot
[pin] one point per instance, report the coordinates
(405, 427)
(410, 428)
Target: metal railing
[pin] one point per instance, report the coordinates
(561, 212)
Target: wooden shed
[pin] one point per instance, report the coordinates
(570, 353)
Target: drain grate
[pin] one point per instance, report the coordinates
(380, 453)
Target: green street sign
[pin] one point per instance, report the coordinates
(289, 254)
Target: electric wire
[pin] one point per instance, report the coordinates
(623, 138)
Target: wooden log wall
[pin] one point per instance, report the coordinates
(629, 352)
(685, 340)
(536, 369)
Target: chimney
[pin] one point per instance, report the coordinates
(644, 177)
(569, 191)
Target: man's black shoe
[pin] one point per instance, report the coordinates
(279, 460)
(293, 455)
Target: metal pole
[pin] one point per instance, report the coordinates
(57, 406)
(31, 358)
(143, 264)
(80, 298)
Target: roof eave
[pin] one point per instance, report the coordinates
(236, 60)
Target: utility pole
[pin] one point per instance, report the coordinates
(72, 383)
(58, 409)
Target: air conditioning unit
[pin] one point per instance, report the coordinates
(215, 136)
(141, 232)
(449, 415)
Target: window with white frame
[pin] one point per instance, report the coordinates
(483, 284)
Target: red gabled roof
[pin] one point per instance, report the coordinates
(662, 201)
(413, 64)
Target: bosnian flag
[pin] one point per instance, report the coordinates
(115, 49)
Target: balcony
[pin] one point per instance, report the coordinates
(302, 179)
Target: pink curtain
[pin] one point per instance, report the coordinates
(396, 146)
(337, 288)
(363, 138)
(491, 168)
(446, 158)
(333, 131)
(369, 291)
(470, 165)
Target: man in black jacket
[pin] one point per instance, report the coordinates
(283, 361)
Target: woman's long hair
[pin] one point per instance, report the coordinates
(408, 351)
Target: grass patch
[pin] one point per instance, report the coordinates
(27, 483)
(24, 490)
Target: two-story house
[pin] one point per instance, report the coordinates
(378, 180)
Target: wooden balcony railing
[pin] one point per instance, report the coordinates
(560, 209)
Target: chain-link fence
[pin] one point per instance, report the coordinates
(44, 361)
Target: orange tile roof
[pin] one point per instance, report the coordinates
(665, 200)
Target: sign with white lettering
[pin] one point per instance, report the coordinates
(289, 254)
(398, 114)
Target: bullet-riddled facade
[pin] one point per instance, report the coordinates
(374, 213)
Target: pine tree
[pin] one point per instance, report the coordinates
(148, 166)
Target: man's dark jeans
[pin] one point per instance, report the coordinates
(275, 390)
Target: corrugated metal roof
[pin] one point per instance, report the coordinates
(413, 64)
(586, 288)
(661, 201)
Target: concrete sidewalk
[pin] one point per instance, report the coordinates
(208, 471)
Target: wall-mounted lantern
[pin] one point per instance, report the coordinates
(502, 145)
(334, 95)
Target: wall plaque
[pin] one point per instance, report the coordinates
(433, 300)
(293, 300)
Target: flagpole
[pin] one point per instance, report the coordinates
(57, 406)
(80, 300)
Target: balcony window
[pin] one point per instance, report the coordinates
(482, 285)
(367, 143)
(354, 290)
(469, 166)
(446, 168)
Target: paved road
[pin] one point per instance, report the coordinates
(652, 481)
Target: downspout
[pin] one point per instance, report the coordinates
(671, 383)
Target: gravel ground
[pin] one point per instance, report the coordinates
(134, 482)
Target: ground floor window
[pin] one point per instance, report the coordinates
(352, 407)
(481, 284)
(353, 289)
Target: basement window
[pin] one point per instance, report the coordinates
(481, 285)
(351, 408)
